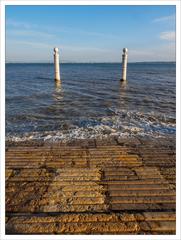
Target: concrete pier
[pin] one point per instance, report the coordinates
(56, 64)
(124, 64)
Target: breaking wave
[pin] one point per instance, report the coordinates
(120, 124)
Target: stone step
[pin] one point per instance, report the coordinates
(100, 223)
(157, 227)
(82, 190)
(140, 199)
(136, 193)
(150, 187)
(142, 206)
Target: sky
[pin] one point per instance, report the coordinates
(90, 33)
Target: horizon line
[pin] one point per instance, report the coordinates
(67, 62)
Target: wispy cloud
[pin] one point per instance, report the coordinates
(35, 45)
(29, 42)
(17, 24)
(165, 52)
(169, 36)
(27, 29)
(26, 51)
(74, 48)
(165, 19)
(18, 50)
(85, 32)
(30, 33)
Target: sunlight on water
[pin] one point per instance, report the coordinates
(90, 102)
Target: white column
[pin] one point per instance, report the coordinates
(124, 64)
(56, 64)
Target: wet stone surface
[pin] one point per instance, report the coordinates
(117, 187)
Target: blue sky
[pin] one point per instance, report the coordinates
(90, 33)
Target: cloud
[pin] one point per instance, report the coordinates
(85, 33)
(165, 52)
(26, 51)
(17, 24)
(30, 43)
(169, 36)
(30, 33)
(170, 18)
(74, 48)
(22, 29)
(35, 45)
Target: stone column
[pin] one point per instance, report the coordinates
(124, 64)
(56, 64)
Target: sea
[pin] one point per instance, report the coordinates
(91, 102)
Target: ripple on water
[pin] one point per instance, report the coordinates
(90, 103)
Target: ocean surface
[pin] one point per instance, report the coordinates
(91, 102)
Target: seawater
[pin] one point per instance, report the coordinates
(91, 102)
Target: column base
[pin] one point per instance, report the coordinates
(57, 80)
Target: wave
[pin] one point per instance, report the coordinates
(120, 124)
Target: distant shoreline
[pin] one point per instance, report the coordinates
(91, 62)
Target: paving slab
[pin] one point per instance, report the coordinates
(115, 186)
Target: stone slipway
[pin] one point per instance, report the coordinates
(117, 186)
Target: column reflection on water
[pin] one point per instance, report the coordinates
(123, 95)
(58, 86)
(58, 91)
(123, 85)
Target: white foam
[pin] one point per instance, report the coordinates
(122, 124)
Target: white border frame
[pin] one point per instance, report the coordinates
(5, 3)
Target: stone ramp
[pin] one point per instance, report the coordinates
(98, 223)
(87, 190)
